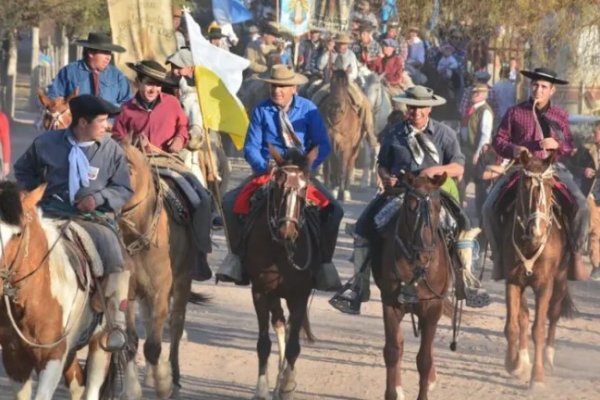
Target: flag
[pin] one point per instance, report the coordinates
(218, 75)
(230, 11)
(295, 15)
(332, 19)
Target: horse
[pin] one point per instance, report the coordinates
(278, 237)
(162, 263)
(346, 126)
(413, 257)
(57, 114)
(534, 240)
(47, 314)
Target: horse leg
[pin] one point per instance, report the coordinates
(524, 361)
(364, 154)
(511, 328)
(392, 352)
(278, 323)
(96, 368)
(543, 294)
(49, 378)
(74, 378)
(263, 344)
(19, 366)
(132, 389)
(559, 296)
(182, 286)
(428, 321)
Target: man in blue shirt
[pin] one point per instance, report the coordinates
(282, 121)
(93, 74)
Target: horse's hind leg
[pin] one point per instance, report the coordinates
(278, 323)
(428, 324)
(182, 287)
(543, 294)
(392, 352)
(132, 389)
(560, 297)
(263, 345)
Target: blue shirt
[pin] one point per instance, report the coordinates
(114, 86)
(264, 129)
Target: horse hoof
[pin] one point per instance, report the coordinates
(537, 387)
(431, 386)
(347, 195)
(549, 357)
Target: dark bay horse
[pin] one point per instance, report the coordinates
(46, 314)
(412, 259)
(346, 127)
(280, 260)
(535, 245)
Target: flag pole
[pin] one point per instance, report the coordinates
(277, 11)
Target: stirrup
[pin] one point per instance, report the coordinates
(477, 297)
(347, 299)
(116, 340)
(408, 295)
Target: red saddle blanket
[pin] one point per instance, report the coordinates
(558, 185)
(242, 202)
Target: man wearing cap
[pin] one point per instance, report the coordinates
(480, 77)
(310, 51)
(257, 51)
(158, 122)
(391, 66)
(540, 128)
(422, 146)
(285, 120)
(93, 74)
(87, 179)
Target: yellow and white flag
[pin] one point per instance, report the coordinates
(218, 75)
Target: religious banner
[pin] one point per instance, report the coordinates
(144, 28)
(295, 15)
(331, 15)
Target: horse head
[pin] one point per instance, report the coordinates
(533, 207)
(417, 225)
(57, 114)
(289, 185)
(18, 215)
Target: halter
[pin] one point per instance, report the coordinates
(293, 190)
(56, 118)
(537, 180)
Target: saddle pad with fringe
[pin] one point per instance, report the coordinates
(178, 206)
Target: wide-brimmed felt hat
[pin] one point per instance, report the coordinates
(153, 70)
(282, 75)
(343, 38)
(420, 96)
(544, 74)
(100, 41)
(215, 33)
(88, 105)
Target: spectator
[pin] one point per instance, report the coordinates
(447, 65)
(310, 50)
(504, 93)
(5, 143)
(257, 51)
(393, 32)
(370, 50)
(363, 13)
(416, 49)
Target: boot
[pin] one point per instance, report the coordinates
(468, 249)
(349, 298)
(595, 276)
(202, 271)
(116, 292)
(577, 269)
(327, 278)
(364, 278)
(231, 270)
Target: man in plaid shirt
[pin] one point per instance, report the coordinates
(368, 48)
(547, 131)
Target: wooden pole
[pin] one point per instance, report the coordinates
(277, 11)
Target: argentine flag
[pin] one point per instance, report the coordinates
(230, 11)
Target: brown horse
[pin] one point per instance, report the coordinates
(164, 253)
(536, 256)
(280, 258)
(345, 126)
(413, 277)
(57, 114)
(46, 315)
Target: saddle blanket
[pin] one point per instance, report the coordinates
(514, 178)
(242, 202)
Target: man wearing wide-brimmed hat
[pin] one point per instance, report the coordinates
(310, 51)
(285, 120)
(158, 122)
(538, 127)
(422, 146)
(348, 58)
(257, 51)
(93, 74)
(367, 49)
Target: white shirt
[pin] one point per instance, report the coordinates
(487, 123)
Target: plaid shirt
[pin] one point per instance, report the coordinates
(369, 53)
(519, 128)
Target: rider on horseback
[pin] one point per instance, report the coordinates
(88, 180)
(539, 127)
(422, 146)
(284, 121)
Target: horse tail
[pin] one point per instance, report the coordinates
(308, 334)
(568, 309)
(199, 298)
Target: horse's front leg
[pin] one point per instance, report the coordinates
(511, 328)
(429, 316)
(524, 363)
(560, 302)
(278, 323)
(263, 345)
(543, 295)
(392, 352)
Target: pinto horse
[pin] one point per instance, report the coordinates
(45, 315)
(57, 114)
(280, 260)
(413, 258)
(535, 245)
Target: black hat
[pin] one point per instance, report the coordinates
(100, 41)
(215, 33)
(270, 29)
(153, 70)
(88, 105)
(544, 74)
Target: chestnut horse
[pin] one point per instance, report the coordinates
(535, 244)
(345, 126)
(57, 114)
(280, 259)
(412, 259)
(45, 316)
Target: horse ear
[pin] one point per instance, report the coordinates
(524, 157)
(312, 156)
(275, 155)
(439, 180)
(73, 94)
(31, 199)
(43, 98)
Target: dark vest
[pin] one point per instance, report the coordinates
(474, 127)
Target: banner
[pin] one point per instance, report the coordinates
(230, 11)
(331, 15)
(295, 15)
(144, 28)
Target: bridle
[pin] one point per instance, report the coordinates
(289, 209)
(524, 219)
(55, 118)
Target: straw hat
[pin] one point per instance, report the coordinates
(282, 75)
(420, 96)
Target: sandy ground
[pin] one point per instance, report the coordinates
(219, 361)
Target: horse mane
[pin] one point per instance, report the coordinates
(11, 209)
(339, 78)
